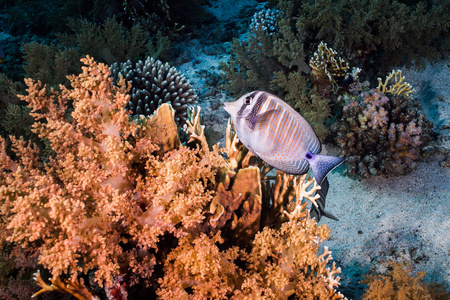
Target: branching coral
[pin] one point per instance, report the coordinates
(103, 188)
(112, 42)
(282, 263)
(378, 35)
(153, 83)
(124, 207)
(327, 67)
(75, 288)
(271, 47)
(50, 64)
(381, 135)
(398, 88)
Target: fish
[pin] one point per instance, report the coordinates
(279, 135)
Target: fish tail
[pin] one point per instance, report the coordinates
(321, 165)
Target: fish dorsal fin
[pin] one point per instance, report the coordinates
(261, 119)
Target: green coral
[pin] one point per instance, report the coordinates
(108, 42)
(112, 42)
(9, 90)
(255, 61)
(376, 35)
(50, 64)
(16, 120)
(124, 208)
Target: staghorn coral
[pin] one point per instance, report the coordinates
(381, 135)
(75, 288)
(153, 83)
(122, 208)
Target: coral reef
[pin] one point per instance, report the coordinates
(400, 283)
(9, 91)
(112, 42)
(123, 208)
(153, 83)
(109, 42)
(50, 64)
(270, 48)
(327, 68)
(382, 135)
(377, 35)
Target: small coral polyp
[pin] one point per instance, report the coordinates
(382, 134)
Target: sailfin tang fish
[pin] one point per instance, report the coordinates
(280, 136)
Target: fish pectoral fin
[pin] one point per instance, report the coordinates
(261, 119)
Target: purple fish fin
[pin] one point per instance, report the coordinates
(261, 118)
(321, 165)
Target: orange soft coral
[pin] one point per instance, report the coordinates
(107, 195)
(123, 200)
(281, 264)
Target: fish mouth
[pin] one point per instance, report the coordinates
(225, 106)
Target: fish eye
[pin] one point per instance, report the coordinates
(247, 100)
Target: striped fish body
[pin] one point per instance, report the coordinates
(280, 136)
